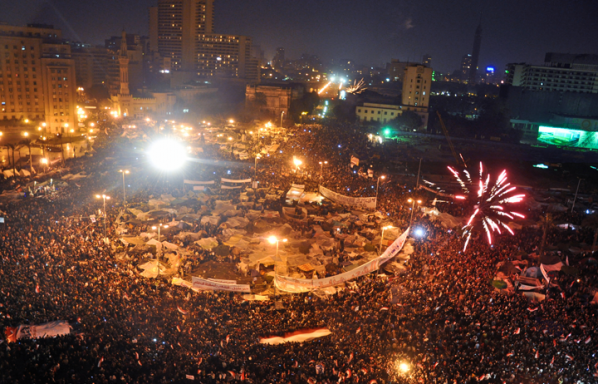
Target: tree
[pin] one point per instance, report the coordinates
(592, 222)
(546, 222)
(408, 121)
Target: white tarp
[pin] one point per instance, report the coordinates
(288, 284)
(207, 243)
(150, 269)
(357, 202)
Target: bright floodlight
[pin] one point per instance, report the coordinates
(167, 154)
(404, 367)
(419, 232)
(272, 240)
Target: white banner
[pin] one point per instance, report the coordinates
(195, 182)
(357, 202)
(51, 329)
(199, 283)
(227, 187)
(223, 180)
(289, 284)
(223, 281)
(199, 188)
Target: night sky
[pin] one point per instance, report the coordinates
(369, 32)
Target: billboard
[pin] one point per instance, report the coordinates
(565, 137)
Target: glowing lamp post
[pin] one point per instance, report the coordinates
(275, 240)
(124, 171)
(104, 197)
(412, 201)
(322, 168)
(157, 258)
(167, 155)
(378, 186)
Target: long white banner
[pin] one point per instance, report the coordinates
(289, 284)
(51, 329)
(223, 180)
(199, 283)
(357, 202)
(195, 182)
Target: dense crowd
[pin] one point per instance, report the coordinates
(449, 324)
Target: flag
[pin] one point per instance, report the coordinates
(178, 328)
(384, 309)
(552, 361)
(435, 365)
(100, 362)
(190, 377)
(563, 295)
(532, 309)
(311, 381)
(510, 354)
(568, 357)
(364, 370)
(544, 273)
(588, 340)
(227, 338)
(37, 288)
(349, 373)
(139, 362)
(358, 330)
(296, 364)
(517, 331)
(234, 375)
(370, 172)
(537, 354)
(373, 382)
(137, 355)
(350, 357)
(182, 310)
(354, 161)
(299, 336)
(199, 360)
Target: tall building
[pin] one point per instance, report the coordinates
(91, 66)
(475, 54)
(465, 67)
(37, 77)
(278, 60)
(427, 60)
(416, 90)
(183, 31)
(561, 72)
(396, 69)
(175, 26)
(136, 50)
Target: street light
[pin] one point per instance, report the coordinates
(157, 258)
(410, 200)
(382, 238)
(274, 240)
(322, 168)
(378, 186)
(104, 197)
(124, 171)
(255, 166)
(281, 115)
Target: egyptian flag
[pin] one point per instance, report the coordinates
(435, 365)
(384, 309)
(227, 338)
(568, 357)
(311, 381)
(100, 362)
(552, 361)
(139, 362)
(588, 340)
(373, 382)
(137, 355)
(37, 288)
(296, 364)
(199, 360)
(364, 370)
(532, 309)
(358, 330)
(350, 357)
(182, 310)
(510, 354)
(517, 331)
(537, 354)
(234, 375)
(242, 375)
(349, 373)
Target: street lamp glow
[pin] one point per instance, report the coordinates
(297, 162)
(404, 367)
(231, 121)
(419, 232)
(25, 134)
(167, 154)
(272, 240)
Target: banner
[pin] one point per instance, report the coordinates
(289, 284)
(223, 281)
(227, 187)
(199, 283)
(298, 336)
(51, 329)
(223, 180)
(357, 202)
(199, 188)
(354, 161)
(195, 182)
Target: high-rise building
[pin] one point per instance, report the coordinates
(416, 90)
(91, 66)
(427, 60)
(175, 26)
(183, 31)
(475, 54)
(136, 50)
(465, 67)
(37, 77)
(562, 72)
(278, 60)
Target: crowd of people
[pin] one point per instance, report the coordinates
(448, 325)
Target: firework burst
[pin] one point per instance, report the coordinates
(490, 202)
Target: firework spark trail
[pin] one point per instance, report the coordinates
(490, 203)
